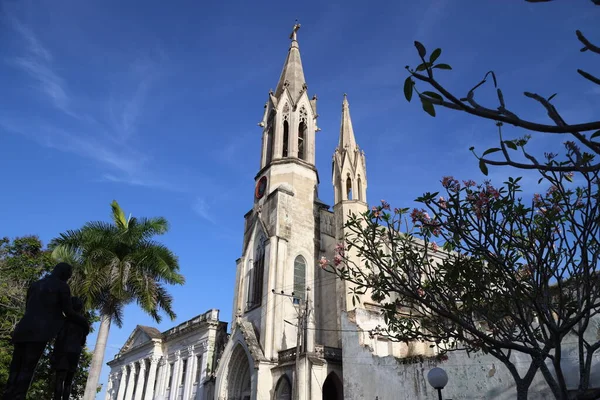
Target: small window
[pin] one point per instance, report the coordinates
(348, 188)
(270, 144)
(359, 188)
(286, 134)
(300, 278)
(183, 371)
(301, 140)
(170, 376)
(198, 368)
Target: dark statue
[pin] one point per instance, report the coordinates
(47, 304)
(67, 350)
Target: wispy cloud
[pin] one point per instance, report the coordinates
(37, 61)
(202, 208)
(102, 134)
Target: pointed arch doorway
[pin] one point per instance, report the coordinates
(333, 388)
(283, 390)
(238, 377)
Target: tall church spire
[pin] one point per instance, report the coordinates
(347, 140)
(292, 75)
(349, 163)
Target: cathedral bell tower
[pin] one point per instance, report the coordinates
(280, 250)
(350, 188)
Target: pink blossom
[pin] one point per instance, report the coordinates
(450, 183)
(337, 260)
(469, 183)
(376, 211)
(420, 292)
(419, 216)
(442, 202)
(323, 262)
(492, 191)
(434, 247)
(385, 205)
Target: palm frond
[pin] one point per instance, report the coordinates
(118, 216)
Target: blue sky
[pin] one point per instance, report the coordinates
(156, 105)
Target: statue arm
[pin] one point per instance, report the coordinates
(67, 309)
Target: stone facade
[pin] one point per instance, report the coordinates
(395, 374)
(176, 364)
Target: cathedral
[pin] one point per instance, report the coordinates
(286, 328)
(295, 332)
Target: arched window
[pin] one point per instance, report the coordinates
(349, 188)
(300, 278)
(286, 134)
(359, 188)
(258, 272)
(301, 136)
(270, 144)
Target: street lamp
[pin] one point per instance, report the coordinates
(438, 378)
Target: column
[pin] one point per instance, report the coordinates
(175, 382)
(191, 360)
(140, 380)
(151, 378)
(108, 386)
(159, 374)
(122, 383)
(130, 382)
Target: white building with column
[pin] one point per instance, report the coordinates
(177, 364)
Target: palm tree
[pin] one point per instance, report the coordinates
(116, 264)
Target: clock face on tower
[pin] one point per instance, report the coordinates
(261, 187)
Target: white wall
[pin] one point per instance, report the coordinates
(475, 376)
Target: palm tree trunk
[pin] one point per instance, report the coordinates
(91, 386)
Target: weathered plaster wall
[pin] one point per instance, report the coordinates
(475, 376)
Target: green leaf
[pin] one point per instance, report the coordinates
(408, 88)
(595, 134)
(490, 151)
(434, 56)
(483, 167)
(510, 144)
(433, 95)
(442, 66)
(428, 107)
(420, 49)
(423, 66)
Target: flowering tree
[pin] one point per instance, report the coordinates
(481, 269)
(585, 134)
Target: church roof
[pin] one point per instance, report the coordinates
(347, 139)
(292, 75)
(152, 332)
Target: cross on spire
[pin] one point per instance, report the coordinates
(293, 36)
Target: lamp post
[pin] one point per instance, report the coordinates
(438, 378)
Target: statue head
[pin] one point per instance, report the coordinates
(63, 271)
(77, 304)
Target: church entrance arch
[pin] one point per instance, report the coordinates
(283, 390)
(238, 375)
(333, 388)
